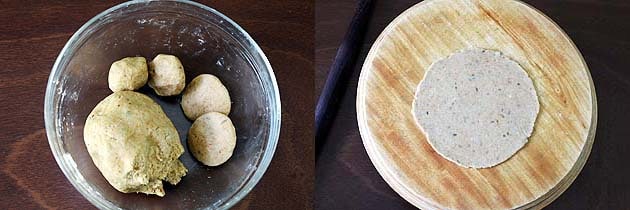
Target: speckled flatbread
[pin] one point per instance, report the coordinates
(477, 107)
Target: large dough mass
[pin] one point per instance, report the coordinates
(477, 107)
(133, 143)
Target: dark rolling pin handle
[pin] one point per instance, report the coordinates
(339, 73)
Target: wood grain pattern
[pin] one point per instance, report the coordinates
(33, 32)
(434, 29)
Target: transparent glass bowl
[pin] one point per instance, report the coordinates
(206, 42)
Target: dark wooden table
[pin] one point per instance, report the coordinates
(33, 32)
(345, 177)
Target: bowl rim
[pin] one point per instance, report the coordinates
(72, 173)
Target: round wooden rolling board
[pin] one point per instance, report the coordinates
(433, 29)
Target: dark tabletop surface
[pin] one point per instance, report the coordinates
(345, 177)
(33, 32)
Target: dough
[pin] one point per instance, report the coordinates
(128, 74)
(476, 107)
(167, 75)
(133, 143)
(205, 94)
(212, 138)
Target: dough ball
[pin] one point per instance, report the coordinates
(133, 143)
(167, 75)
(477, 107)
(212, 138)
(128, 74)
(205, 94)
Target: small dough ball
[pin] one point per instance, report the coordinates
(167, 75)
(212, 138)
(205, 94)
(128, 74)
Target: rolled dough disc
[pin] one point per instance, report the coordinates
(477, 107)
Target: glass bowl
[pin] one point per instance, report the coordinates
(206, 41)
